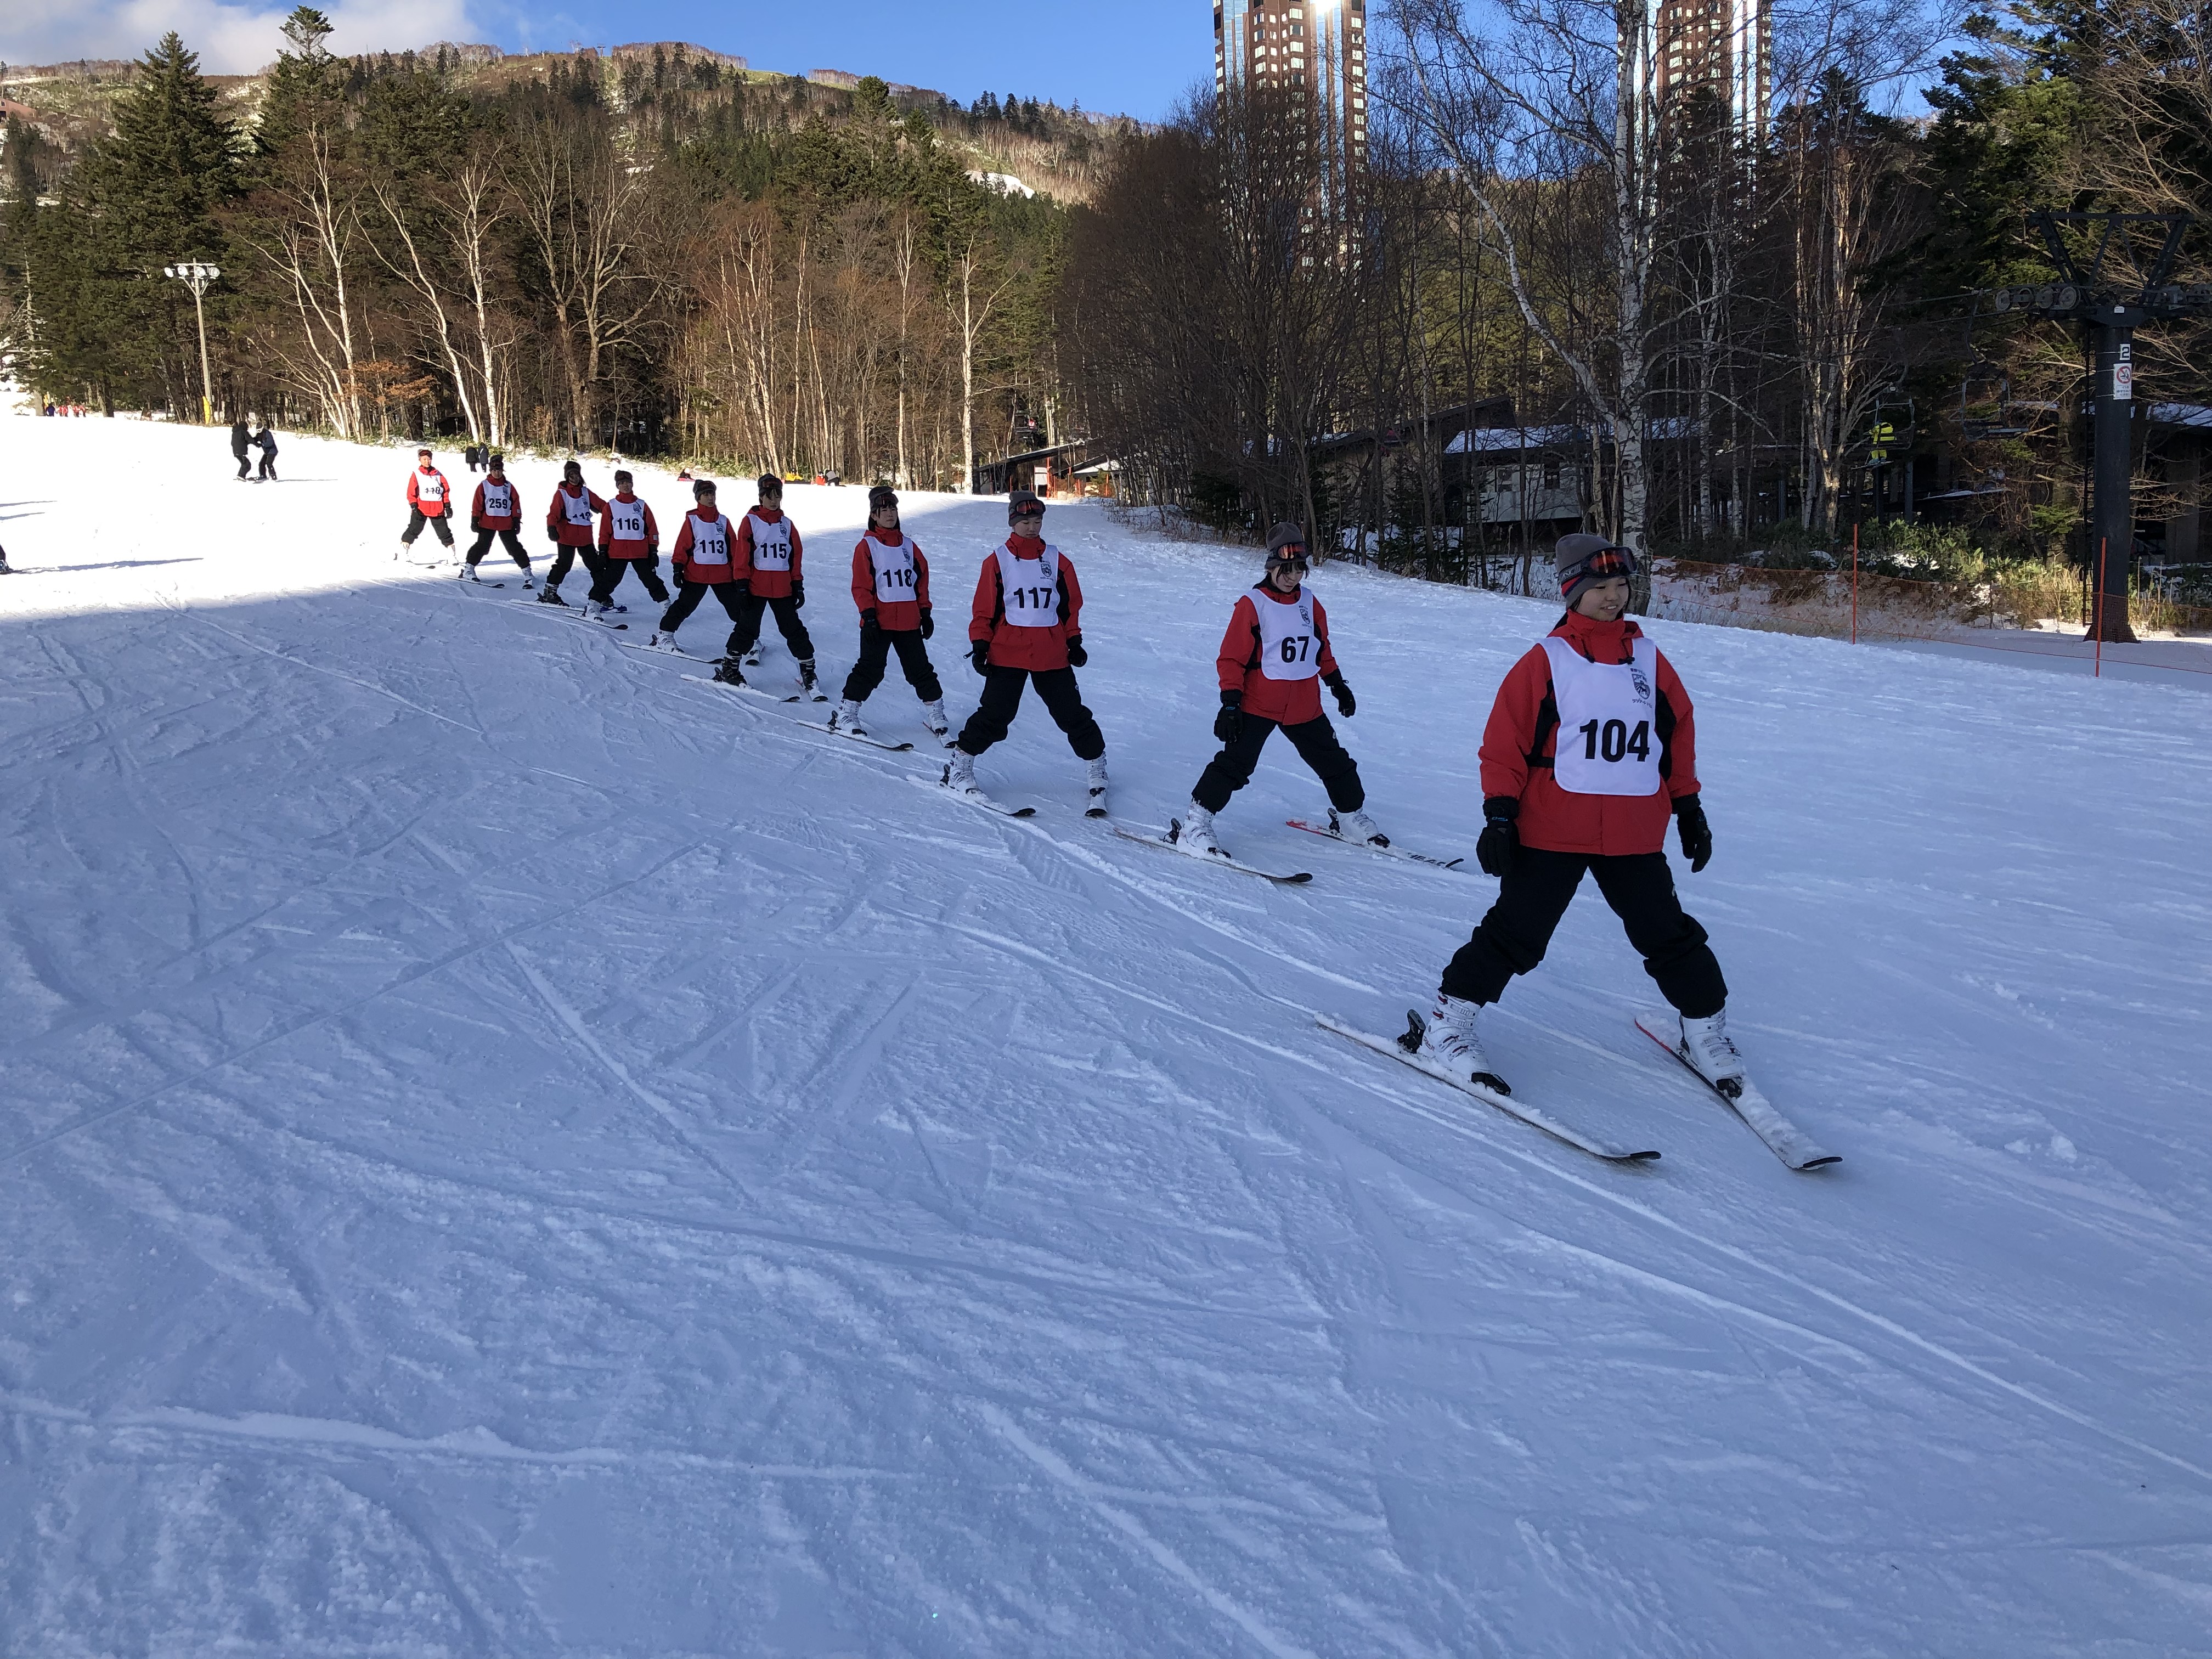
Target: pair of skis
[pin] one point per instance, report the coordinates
(1782, 1138)
(1172, 841)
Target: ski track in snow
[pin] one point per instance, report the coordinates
(505, 1152)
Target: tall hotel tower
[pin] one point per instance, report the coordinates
(1724, 48)
(1316, 51)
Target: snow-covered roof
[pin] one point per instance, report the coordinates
(1485, 440)
(2193, 414)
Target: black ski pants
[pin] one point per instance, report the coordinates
(243, 464)
(688, 595)
(507, 540)
(611, 572)
(1317, 747)
(415, 520)
(1535, 893)
(1063, 700)
(877, 645)
(787, 623)
(565, 560)
(268, 466)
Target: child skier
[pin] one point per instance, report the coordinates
(1027, 628)
(265, 441)
(241, 441)
(568, 522)
(629, 540)
(427, 498)
(1272, 662)
(768, 548)
(890, 586)
(1589, 746)
(496, 510)
(703, 557)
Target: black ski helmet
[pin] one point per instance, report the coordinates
(1286, 545)
(771, 483)
(1022, 503)
(881, 496)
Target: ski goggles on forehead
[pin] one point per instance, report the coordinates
(1605, 564)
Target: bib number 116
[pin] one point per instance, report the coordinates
(1613, 741)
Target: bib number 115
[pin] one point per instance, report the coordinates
(1613, 741)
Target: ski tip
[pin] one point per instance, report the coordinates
(1299, 880)
(1649, 1155)
(1820, 1162)
(1094, 812)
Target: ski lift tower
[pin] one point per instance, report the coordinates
(2110, 314)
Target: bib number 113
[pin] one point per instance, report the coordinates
(1613, 741)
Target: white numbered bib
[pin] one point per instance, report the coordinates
(710, 539)
(577, 508)
(499, 501)
(1030, 588)
(1609, 740)
(430, 488)
(626, 520)
(1290, 649)
(894, 573)
(771, 542)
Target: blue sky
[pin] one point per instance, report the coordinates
(1125, 57)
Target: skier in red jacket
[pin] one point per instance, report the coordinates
(769, 547)
(704, 557)
(496, 510)
(1027, 629)
(1272, 663)
(1590, 747)
(429, 500)
(569, 521)
(630, 540)
(890, 588)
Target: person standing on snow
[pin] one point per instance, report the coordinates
(496, 510)
(568, 523)
(266, 441)
(768, 548)
(429, 498)
(703, 557)
(1590, 745)
(1027, 629)
(241, 441)
(630, 540)
(890, 586)
(1273, 662)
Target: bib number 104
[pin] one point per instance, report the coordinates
(1613, 741)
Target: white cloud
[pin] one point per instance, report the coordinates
(232, 37)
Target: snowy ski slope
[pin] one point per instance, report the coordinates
(504, 1152)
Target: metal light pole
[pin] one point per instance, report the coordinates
(198, 277)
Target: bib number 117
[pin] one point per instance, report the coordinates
(1613, 741)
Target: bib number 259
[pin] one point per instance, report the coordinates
(1613, 741)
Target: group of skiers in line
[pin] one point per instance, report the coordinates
(1589, 753)
(244, 440)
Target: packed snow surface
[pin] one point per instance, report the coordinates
(509, 1152)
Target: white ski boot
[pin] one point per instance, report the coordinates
(1358, 826)
(960, 773)
(933, 716)
(467, 573)
(808, 688)
(1449, 1039)
(846, 719)
(596, 609)
(1097, 806)
(752, 658)
(1705, 1045)
(1193, 833)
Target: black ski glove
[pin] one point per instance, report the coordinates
(744, 589)
(475, 525)
(1229, 724)
(928, 622)
(1346, 704)
(868, 623)
(552, 535)
(1500, 840)
(979, 656)
(1697, 835)
(1077, 656)
(799, 593)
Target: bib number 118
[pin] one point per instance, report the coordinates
(1613, 741)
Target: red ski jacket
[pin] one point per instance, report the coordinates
(707, 575)
(767, 584)
(1286, 702)
(1038, 649)
(572, 535)
(1522, 735)
(485, 520)
(892, 615)
(627, 550)
(439, 502)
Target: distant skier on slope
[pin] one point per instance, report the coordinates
(630, 540)
(1273, 661)
(496, 511)
(1027, 629)
(890, 587)
(703, 558)
(266, 441)
(769, 547)
(429, 498)
(241, 441)
(569, 518)
(1590, 743)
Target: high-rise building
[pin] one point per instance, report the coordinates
(1316, 51)
(1724, 47)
